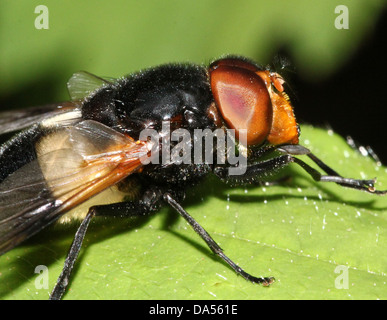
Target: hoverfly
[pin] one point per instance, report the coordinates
(64, 154)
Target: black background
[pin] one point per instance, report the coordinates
(353, 101)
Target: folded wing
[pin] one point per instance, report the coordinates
(72, 165)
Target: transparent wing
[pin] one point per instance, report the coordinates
(20, 119)
(90, 158)
(82, 83)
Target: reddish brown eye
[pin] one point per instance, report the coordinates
(234, 62)
(243, 100)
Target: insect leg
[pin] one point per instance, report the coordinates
(253, 171)
(262, 151)
(148, 203)
(63, 279)
(212, 244)
(333, 176)
(267, 167)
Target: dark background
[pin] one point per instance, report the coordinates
(353, 100)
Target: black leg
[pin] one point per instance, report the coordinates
(150, 202)
(262, 151)
(254, 172)
(63, 279)
(267, 167)
(333, 176)
(212, 244)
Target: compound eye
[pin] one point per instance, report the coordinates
(243, 101)
(234, 62)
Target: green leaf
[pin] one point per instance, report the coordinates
(300, 232)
